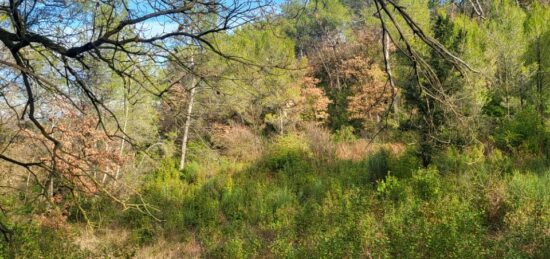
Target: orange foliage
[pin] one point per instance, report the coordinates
(314, 101)
(86, 156)
(371, 92)
(351, 65)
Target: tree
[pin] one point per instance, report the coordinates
(51, 50)
(370, 96)
(538, 54)
(265, 95)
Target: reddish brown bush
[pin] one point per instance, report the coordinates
(86, 158)
(237, 141)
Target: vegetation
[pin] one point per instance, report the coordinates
(252, 129)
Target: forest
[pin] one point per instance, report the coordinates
(274, 129)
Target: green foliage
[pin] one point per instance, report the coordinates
(446, 228)
(323, 17)
(378, 165)
(33, 241)
(426, 183)
(455, 160)
(287, 152)
(391, 188)
(525, 131)
(200, 151)
(472, 182)
(404, 165)
(494, 107)
(334, 212)
(191, 172)
(263, 97)
(344, 134)
(528, 217)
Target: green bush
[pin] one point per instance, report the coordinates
(344, 134)
(452, 160)
(233, 204)
(191, 172)
(528, 218)
(391, 188)
(288, 152)
(404, 165)
(234, 248)
(426, 183)
(446, 228)
(524, 131)
(331, 211)
(29, 240)
(166, 190)
(378, 165)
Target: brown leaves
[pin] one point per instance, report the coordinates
(87, 156)
(314, 101)
(371, 93)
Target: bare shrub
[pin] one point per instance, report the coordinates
(361, 149)
(319, 142)
(237, 141)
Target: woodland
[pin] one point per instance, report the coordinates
(274, 129)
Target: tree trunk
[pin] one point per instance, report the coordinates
(540, 93)
(386, 48)
(187, 123)
(126, 111)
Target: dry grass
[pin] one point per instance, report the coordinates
(95, 241)
(167, 249)
(113, 243)
(360, 149)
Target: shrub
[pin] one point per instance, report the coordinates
(391, 188)
(451, 160)
(340, 226)
(233, 204)
(202, 153)
(378, 165)
(165, 189)
(30, 240)
(528, 217)
(404, 165)
(344, 134)
(166, 182)
(444, 228)
(426, 183)
(355, 151)
(288, 152)
(319, 142)
(238, 142)
(495, 204)
(497, 161)
(191, 172)
(523, 130)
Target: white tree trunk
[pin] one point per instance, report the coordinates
(187, 123)
(126, 111)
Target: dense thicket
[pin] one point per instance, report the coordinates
(326, 128)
